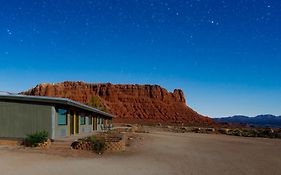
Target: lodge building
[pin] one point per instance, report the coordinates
(21, 115)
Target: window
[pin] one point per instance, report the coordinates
(62, 116)
(82, 120)
(90, 120)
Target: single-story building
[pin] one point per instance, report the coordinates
(60, 117)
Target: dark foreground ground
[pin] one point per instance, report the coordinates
(158, 153)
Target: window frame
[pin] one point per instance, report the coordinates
(60, 115)
(90, 120)
(82, 116)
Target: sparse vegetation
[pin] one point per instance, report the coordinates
(252, 132)
(109, 141)
(98, 145)
(95, 143)
(243, 132)
(33, 140)
(235, 132)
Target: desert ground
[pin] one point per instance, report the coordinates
(157, 153)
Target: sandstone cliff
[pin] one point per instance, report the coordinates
(130, 103)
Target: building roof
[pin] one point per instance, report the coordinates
(53, 100)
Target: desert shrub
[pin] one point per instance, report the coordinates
(229, 132)
(267, 133)
(34, 139)
(221, 131)
(92, 139)
(250, 133)
(98, 143)
(278, 135)
(236, 132)
(196, 130)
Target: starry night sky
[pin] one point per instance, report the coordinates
(225, 54)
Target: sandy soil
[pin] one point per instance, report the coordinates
(159, 153)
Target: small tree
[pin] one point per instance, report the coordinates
(95, 102)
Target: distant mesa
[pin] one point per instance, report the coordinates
(267, 120)
(6, 93)
(129, 103)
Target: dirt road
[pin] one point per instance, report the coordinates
(162, 153)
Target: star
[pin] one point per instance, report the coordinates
(214, 22)
(9, 32)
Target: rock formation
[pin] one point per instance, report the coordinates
(129, 103)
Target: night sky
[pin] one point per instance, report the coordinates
(225, 54)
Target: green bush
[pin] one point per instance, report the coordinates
(98, 144)
(92, 139)
(34, 139)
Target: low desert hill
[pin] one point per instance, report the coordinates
(258, 121)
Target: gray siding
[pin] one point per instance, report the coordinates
(61, 130)
(86, 128)
(19, 119)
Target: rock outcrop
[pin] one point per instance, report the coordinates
(129, 103)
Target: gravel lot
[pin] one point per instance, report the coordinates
(158, 153)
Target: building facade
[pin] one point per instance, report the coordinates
(22, 115)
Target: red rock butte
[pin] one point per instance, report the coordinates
(146, 104)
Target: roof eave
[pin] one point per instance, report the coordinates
(53, 100)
